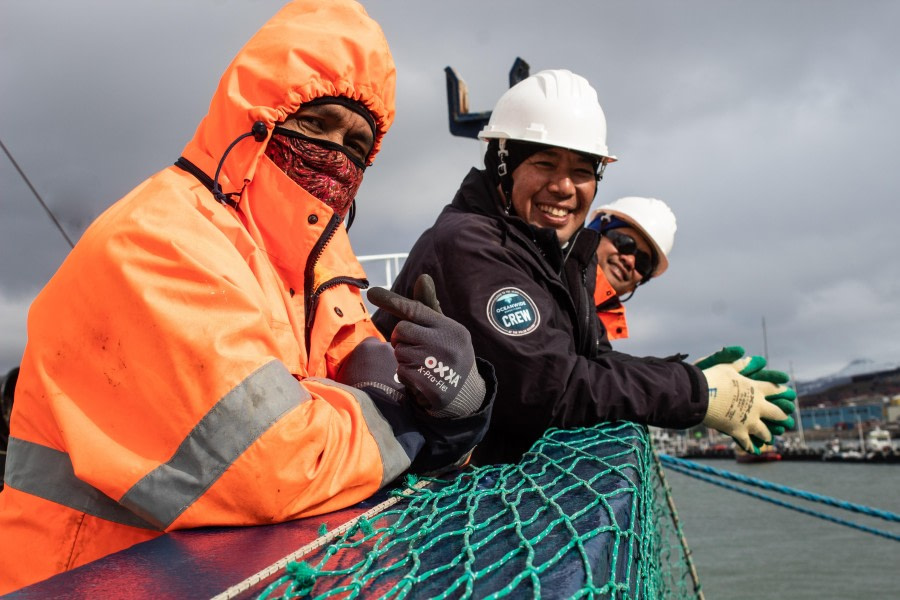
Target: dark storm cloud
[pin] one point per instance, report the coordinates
(769, 127)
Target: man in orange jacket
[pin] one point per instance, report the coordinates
(636, 238)
(203, 356)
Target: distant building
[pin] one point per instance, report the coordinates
(842, 417)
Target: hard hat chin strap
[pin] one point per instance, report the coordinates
(504, 176)
(602, 169)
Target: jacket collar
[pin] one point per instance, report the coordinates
(478, 195)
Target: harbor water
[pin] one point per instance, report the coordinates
(744, 547)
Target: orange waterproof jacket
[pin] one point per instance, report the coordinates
(178, 366)
(610, 310)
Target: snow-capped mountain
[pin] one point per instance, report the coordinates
(860, 366)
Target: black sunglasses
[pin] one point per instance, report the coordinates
(644, 264)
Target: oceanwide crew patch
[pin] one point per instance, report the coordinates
(512, 312)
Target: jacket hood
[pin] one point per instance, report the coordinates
(307, 50)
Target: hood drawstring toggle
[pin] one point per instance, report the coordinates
(259, 132)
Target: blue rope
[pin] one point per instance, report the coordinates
(783, 504)
(688, 468)
(872, 512)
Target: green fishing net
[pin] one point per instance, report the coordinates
(586, 513)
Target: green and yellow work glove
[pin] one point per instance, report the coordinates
(726, 355)
(777, 398)
(752, 367)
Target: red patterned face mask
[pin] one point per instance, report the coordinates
(322, 168)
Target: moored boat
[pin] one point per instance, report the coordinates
(766, 453)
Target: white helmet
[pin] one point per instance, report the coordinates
(554, 108)
(652, 217)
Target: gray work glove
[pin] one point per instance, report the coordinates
(434, 353)
(372, 368)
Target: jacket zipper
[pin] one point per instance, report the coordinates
(587, 342)
(311, 296)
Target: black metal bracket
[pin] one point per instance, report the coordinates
(462, 122)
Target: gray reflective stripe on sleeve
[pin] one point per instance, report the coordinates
(48, 473)
(394, 460)
(221, 436)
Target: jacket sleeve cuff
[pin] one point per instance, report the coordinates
(699, 402)
(449, 439)
(392, 425)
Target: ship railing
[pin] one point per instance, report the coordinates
(388, 264)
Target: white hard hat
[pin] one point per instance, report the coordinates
(554, 108)
(652, 218)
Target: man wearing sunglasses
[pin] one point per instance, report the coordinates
(636, 237)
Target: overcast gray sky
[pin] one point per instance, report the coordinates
(771, 127)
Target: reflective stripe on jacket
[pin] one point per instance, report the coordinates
(178, 365)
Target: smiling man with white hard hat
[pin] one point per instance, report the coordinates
(511, 260)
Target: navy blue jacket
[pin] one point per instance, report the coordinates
(528, 305)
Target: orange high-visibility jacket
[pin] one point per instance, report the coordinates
(178, 365)
(611, 314)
